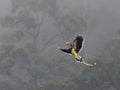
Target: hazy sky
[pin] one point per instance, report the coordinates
(5, 7)
(103, 22)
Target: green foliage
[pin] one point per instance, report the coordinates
(5, 50)
(73, 21)
(5, 65)
(7, 21)
(61, 85)
(19, 52)
(23, 18)
(48, 6)
(24, 24)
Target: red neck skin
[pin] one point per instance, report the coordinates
(69, 46)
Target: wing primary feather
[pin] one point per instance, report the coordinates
(66, 50)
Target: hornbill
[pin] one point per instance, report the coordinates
(74, 48)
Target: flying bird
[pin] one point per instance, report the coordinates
(74, 48)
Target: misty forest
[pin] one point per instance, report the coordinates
(32, 30)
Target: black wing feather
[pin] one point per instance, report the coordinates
(66, 50)
(77, 43)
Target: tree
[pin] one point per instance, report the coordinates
(48, 6)
(25, 24)
(106, 71)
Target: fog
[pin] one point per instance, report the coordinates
(103, 21)
(5, 7)
(32, 30)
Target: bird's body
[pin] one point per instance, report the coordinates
(74, 48)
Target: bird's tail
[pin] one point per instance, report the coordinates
(81, 60)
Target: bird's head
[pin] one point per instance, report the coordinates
(68, 44)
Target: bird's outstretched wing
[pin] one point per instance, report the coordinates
(68, 51)
(77, 43)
